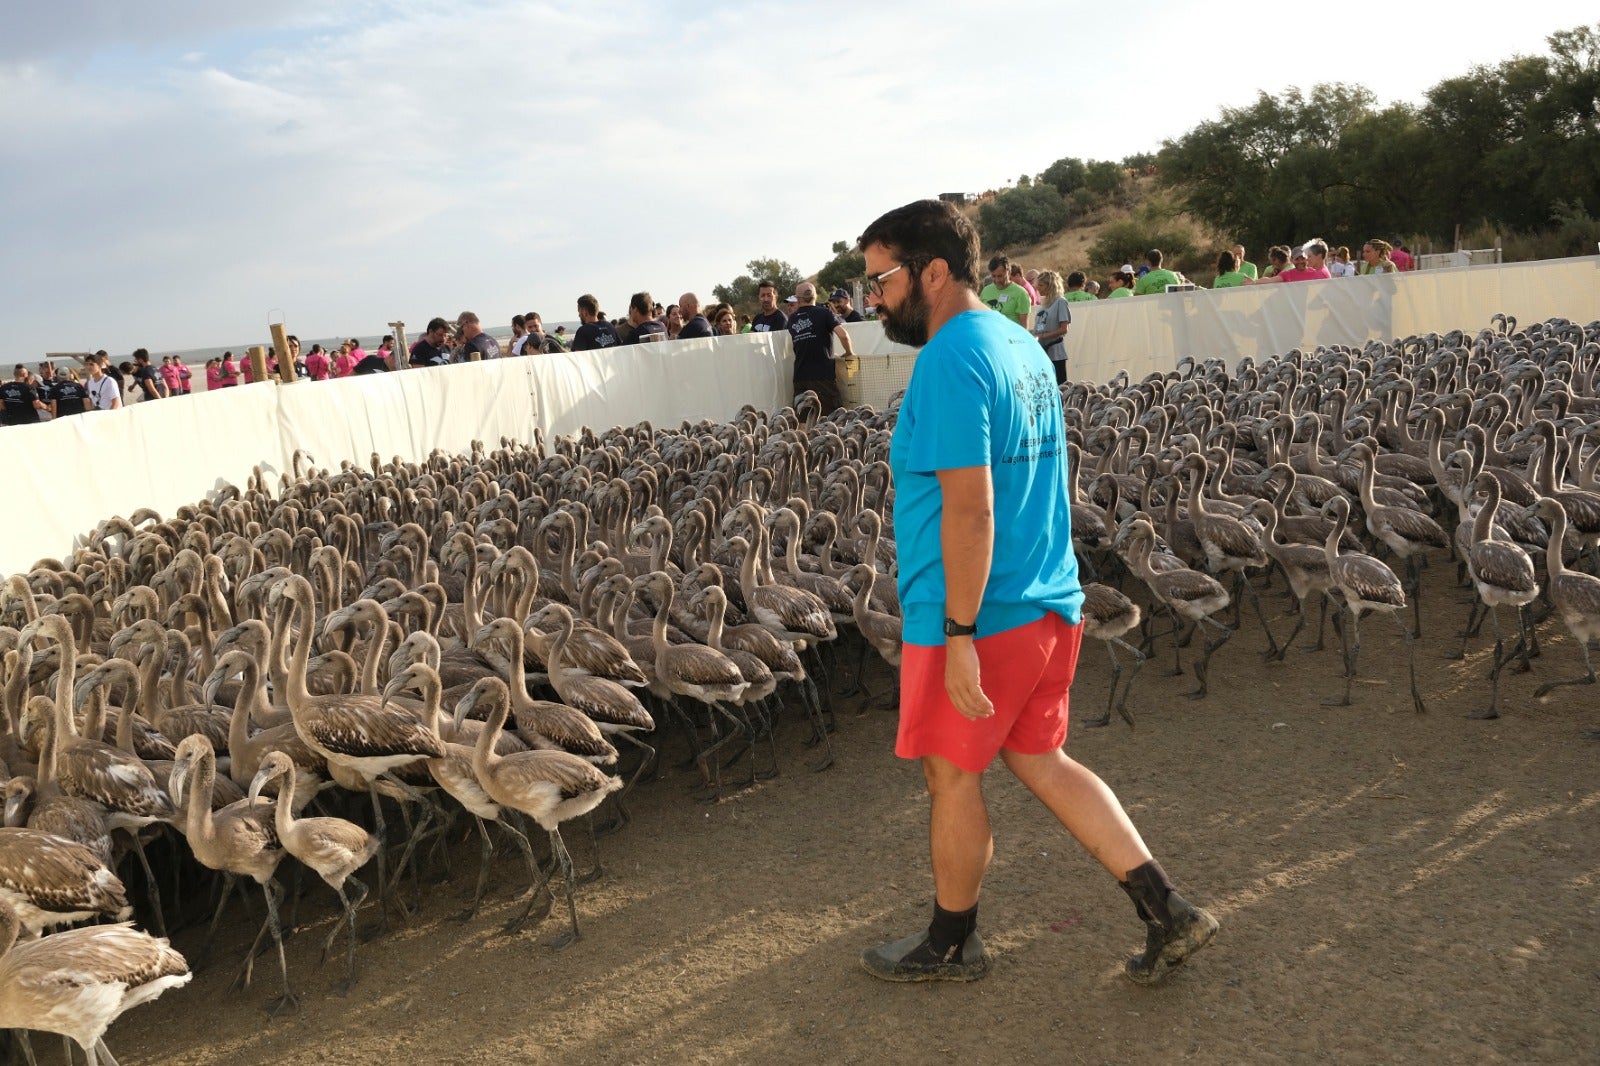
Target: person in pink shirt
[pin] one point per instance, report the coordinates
(1310, 264)
(185, 376)
(343, 364)
(357, 353)
(213, 375)
(169, 375)
(1020, 278)
(227, 372)
(317, 364)
(1402, 258)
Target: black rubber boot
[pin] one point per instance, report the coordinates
(1174, 927)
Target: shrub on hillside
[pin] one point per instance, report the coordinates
(1021, 216)
(1127, 241)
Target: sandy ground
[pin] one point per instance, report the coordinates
(1392, 888)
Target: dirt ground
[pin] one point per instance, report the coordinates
(1392, 888)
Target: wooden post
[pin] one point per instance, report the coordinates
(280, 343)
(402, 353)
(61, 357)
(258, 362)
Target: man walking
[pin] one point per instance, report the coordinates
(813, 329)
(991, 598)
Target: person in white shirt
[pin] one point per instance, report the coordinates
(104, 394)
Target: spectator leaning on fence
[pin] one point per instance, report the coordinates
(1077, 289)
(21, 399)
(104, 392)
(595, 332)
(1157, 278)
(645, 328)
(430, 347)
(1228, 273)
(1243, 265)
(813, 330)
(1121, 282)
(1004, 295)
(771, 319)
(72, 398)
(1375, 258)
(475, 343)
(1309, 265)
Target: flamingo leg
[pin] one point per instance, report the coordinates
(1492, 711)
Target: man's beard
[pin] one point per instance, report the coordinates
(908, 324)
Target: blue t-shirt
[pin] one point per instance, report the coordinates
(983, 393)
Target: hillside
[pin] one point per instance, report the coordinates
(1141, 210)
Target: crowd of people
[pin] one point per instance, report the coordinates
(1039, 300)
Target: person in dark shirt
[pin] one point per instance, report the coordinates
(145, 378)
(374, 363)
(770, 320)
(813, 329)
(475, 343)
(645, 328)
(46, 384)
(21, 400)
(839, 300)
(595, 332)
(429, 350)
(72, 398)
(695, 324)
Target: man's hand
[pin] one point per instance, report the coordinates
(961, 679)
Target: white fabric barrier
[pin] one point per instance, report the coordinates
(72, 473)
(1147, 333)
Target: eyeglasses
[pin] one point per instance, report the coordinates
(875, 281)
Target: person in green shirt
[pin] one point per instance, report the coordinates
(1120, 283)
(1075, 292)
(1003, 295)
(1245, 267)
(1157, 278)
(1228, 274)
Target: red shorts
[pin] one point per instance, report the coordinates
(1025, 672)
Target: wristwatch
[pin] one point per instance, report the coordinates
(952, 628)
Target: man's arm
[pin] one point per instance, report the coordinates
(966, 542)
(844, 336)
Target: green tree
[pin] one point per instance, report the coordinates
(1021, 216)
(1105, 177)
(741, 291)
(847, 265)
(1066, 174)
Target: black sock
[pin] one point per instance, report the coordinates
(1148, 886)
(950, 930)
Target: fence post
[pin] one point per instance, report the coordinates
(402, 353)
(258, 362)
(280, 341)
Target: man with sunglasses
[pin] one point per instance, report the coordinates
(992, 603)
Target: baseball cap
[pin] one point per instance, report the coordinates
(791, 299)
(838, 294)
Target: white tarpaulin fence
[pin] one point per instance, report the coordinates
(67, 476)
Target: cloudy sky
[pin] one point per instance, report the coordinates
(175, 172)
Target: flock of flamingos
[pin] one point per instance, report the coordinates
(521, 634)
